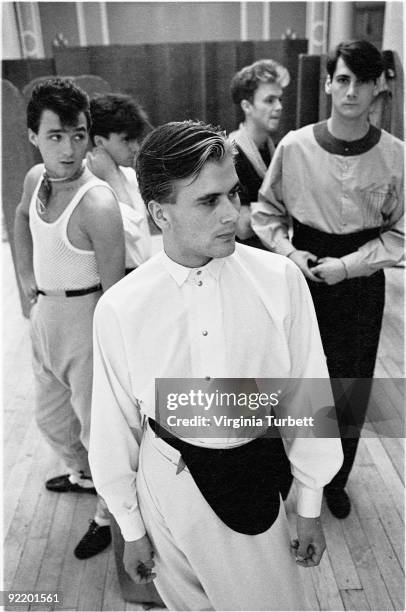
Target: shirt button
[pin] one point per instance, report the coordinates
(200, 283)
(199, 272)
(204, 332)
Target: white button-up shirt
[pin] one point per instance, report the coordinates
(136, 230)
(248, 315)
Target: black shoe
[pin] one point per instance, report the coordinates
(338, 502)
(95, 540)
(62, 484)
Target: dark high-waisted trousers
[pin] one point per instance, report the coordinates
(349, 315)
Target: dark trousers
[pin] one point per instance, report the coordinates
(349, 315)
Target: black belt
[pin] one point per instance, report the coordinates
(241, 484)
(323, 244)
(69, 292)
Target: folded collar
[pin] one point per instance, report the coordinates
(181, 273)
(345, 147)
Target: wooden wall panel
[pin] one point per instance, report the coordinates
(72, 60)
(21, 72)
(221, 61)
(184, 80)
(15, 162)
(290, 51)
(324, 99)
(142, 77)
(394, 120)
(178, 85)
(123, 67)
(307, 110)
(167, 79)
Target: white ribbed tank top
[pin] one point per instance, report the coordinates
(58, 264)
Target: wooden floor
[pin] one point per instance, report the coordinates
(363, 568)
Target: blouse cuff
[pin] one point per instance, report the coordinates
(308, 500)
(354, 266)
(284, 247)
(131, 525)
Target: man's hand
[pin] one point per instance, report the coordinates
(331, 270)
(29, 287)
(310, 544)
(301, 259)
(101, 164)
(138, 560)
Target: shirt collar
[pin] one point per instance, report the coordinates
(343, 147)
(181, 273)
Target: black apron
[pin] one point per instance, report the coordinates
(240, 484)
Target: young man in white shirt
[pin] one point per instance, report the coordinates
(204, 308)
(118, 127)
(341, 183)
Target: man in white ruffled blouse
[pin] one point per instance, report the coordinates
(118, 126)
(205, 308)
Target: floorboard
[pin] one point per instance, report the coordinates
(363, 568)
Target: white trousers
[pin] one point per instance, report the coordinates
(61, 334)
(202, 564)
(62, 344)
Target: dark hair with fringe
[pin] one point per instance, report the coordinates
(360, 56)
(174, 151)
(60, 96)
(247, 80)
(118, 113)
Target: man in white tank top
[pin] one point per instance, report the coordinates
(70, 248)
(117, 130)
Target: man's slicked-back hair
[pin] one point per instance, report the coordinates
(117, 113)
(360, 56)
(247, 80)
(61, 96)
(174, 151)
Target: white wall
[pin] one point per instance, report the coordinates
(156, 22)
(10, 47)
(393, 28)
